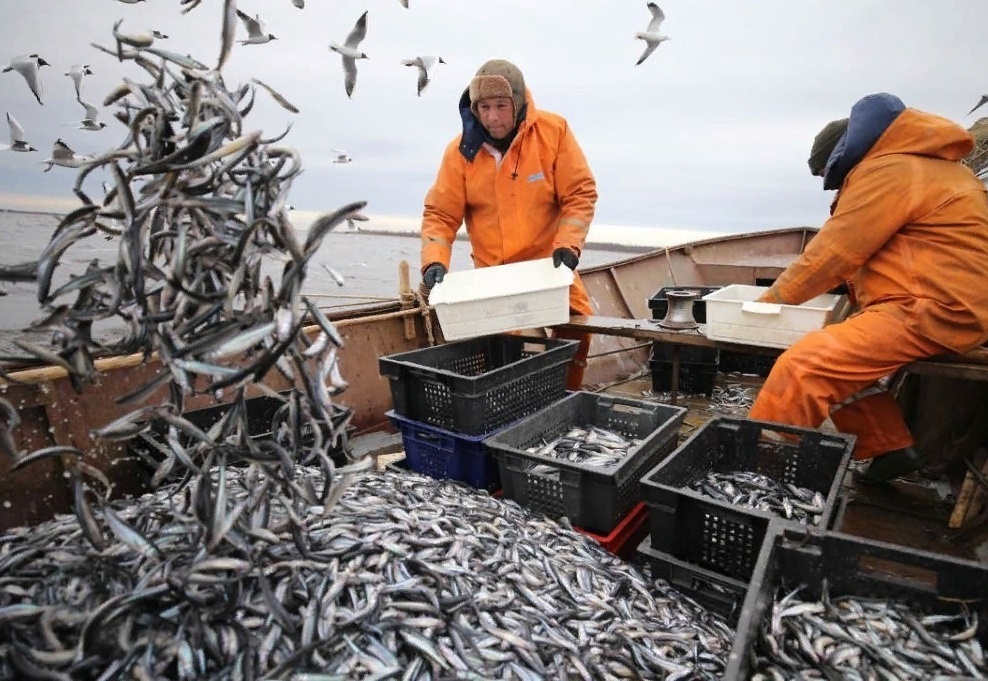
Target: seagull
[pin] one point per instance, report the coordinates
(62, 155)
(404, 3)
(130, 2)
(299, 3)
(17, 141)
(424, 65)
(341, 157)
(256, 30)
(350, 54)
(981, 102)
(651, 35)
(90, 122)
(27, 65)
(358, 216)
(76, 72)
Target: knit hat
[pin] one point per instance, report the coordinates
(498, 78)
(824, 144)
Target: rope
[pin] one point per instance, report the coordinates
(426, 317)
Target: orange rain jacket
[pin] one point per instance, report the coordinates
(538, 197)
(909, 230)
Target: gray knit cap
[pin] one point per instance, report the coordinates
(824, 144)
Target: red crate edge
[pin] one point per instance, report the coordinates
(618, 539)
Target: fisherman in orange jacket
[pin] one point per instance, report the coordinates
(908, 234)
(518, 179)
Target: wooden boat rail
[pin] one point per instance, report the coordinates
(971, 365)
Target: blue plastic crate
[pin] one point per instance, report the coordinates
(444, 455)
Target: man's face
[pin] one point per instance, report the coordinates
(497, 115)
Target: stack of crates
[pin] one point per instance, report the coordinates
(708, 548)
(449, 398)
(697, 366)
(602, 502)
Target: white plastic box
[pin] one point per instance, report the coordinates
(502, 298)
(735, 317)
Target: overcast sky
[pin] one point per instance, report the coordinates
(711, 132)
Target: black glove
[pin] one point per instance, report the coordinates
(566, 257)
(433, 274)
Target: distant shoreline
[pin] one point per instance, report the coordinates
(461, 236)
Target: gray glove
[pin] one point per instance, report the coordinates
(433, 274)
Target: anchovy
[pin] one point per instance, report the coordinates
(854, 637)
(406, 572)
(753, 490)
(595, 447)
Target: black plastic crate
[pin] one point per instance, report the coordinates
(595, 499)
(444, 455)
(693, 354)
(723, 596)
(760, 365)
(854, 566)
(659, 303)
(722, 537)
(478, 385)
(694, 379)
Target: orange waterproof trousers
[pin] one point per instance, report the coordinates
(826, 367)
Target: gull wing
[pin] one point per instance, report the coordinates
(92, 113)
(16, 131)
(350, 75)
(649, 49)
(252, 25)
(60, 151)
(423, 79)
(358, 33)
(658, 16)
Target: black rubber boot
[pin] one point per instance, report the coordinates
(889, 466)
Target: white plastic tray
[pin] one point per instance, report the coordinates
(735, 317)
(502, 298)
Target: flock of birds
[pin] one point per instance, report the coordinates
(29, 67)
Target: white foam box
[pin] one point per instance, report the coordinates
(735, 317)
(502, 298)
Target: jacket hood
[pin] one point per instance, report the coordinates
(474, 134)
(870, 117)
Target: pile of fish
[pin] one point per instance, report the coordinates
(187, 283)
(863, 638)
(734, 399)
(754, 490)
(406, 577)
(587, 446)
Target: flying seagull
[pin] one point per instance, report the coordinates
(256, 30)
(17, 141)
(981, 103)
(351, 54)
(651, 35)
(90, 122)
(27, 65)
(62, 155)
(76, 72)
(341, 156)
(424, 64)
